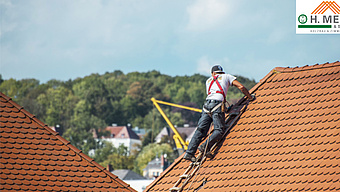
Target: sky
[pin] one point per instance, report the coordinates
(67, 39)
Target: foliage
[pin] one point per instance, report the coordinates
(85, 105)
(119, 157)
(150, 152)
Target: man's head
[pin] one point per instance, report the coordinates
(217, 69)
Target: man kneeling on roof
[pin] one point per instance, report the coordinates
(216, 87)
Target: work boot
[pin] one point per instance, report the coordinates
(201, 148)
(189, 157)
(208, 153)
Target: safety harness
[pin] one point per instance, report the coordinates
(219, 86)
(219, 91)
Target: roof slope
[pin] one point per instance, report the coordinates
(34, 157)
(286, 140)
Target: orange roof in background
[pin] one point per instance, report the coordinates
(286, 140)
(36, 158)
(122, 132)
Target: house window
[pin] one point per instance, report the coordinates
(123, 135)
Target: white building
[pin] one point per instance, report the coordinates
(155, 167)
(122, 135)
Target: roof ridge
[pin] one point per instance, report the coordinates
(306, 67)
(294, 69)
(64, 141)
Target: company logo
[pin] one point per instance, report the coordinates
(325, 5)
(302, 19)
(317, 17)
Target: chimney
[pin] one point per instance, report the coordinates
(164, 162)
(109, 167)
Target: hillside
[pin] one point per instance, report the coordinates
(95, 101)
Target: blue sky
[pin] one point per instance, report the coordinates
(63, 39)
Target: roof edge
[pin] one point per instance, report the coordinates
(262, 81)
(306, 67)
(65, 142)
(294, 69)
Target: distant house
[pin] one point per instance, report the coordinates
(122, 135)
(126, 174)
(185, 132)
(132, 178)
(155, 167)
(140, 132)
(33, 157)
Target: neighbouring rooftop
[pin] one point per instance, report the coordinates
(33, 157)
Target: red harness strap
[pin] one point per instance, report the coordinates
(219, 86)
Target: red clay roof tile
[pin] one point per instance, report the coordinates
(286, 140)
(36, 158)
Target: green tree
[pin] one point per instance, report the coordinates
(58, 104)
(182, 96)
(83, 123)
(119, 159)
(1, 79)
(148, 138)
(11, 88)
(93, 91)
(197, 93)
(103, 151)
(149, 152)
(25, 92)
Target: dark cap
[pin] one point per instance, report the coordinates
(217, 69)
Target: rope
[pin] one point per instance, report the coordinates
(205, 150)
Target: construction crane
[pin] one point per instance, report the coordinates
(181, 145)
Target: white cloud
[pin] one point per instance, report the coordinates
(203, 65)
(205, 15)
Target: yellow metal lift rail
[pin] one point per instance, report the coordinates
(180, 143)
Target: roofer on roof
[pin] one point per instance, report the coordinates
(213, 110)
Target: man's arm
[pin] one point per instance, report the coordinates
(242, 88)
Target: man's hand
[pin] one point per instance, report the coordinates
(253, 97)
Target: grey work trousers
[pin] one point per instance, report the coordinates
(203, 126)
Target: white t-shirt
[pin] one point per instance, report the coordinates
(225, 81)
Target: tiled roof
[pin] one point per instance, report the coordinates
(36, 158)
(286, 140)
